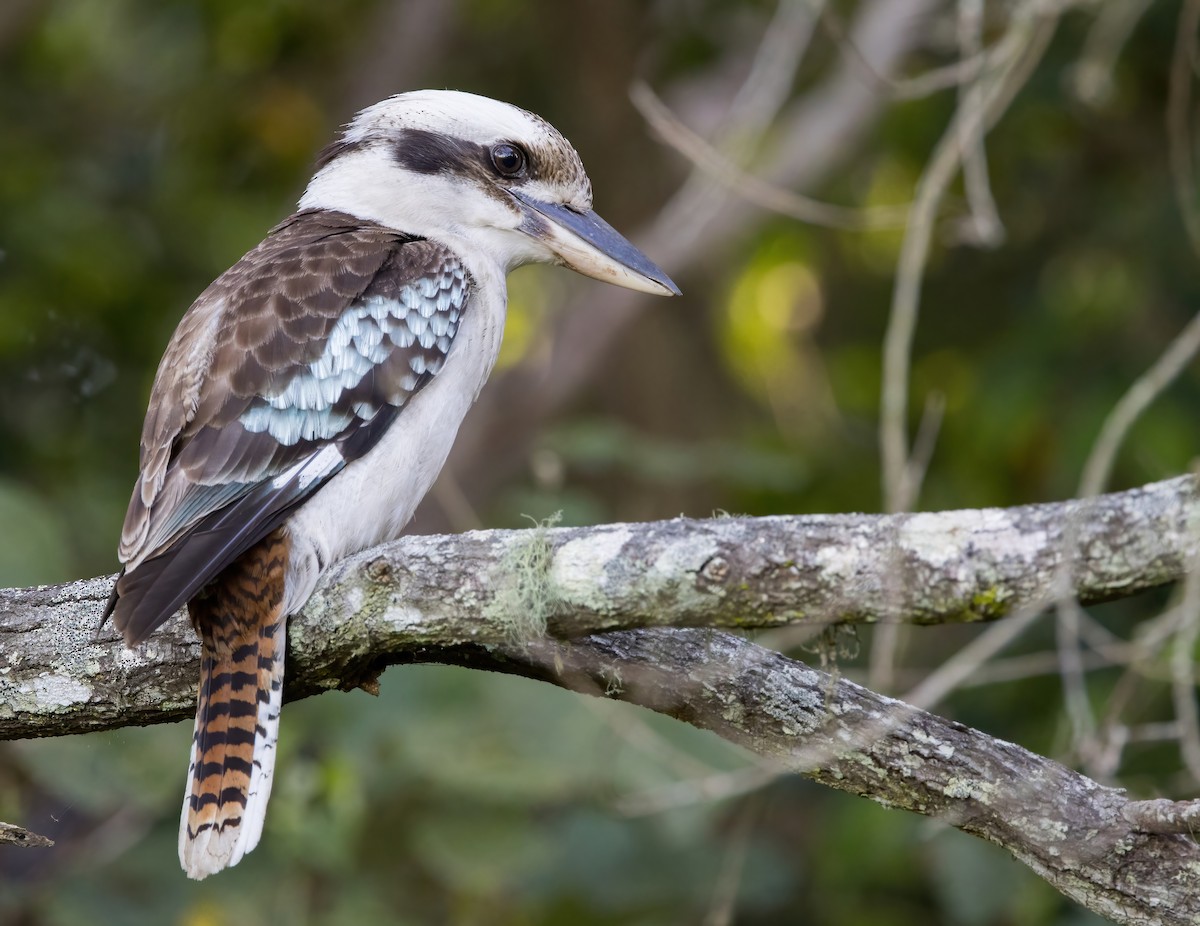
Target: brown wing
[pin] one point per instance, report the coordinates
(291, 364)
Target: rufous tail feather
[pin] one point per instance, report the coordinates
(243, 633)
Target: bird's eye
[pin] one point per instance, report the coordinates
(509, 160)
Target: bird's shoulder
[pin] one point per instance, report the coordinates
(317, 283)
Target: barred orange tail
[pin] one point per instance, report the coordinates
(243, 632)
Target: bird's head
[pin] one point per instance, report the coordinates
(468, 170)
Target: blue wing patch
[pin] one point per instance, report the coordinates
(379, 351)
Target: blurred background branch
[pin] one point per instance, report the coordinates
(694, 227)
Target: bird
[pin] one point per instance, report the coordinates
(309, 397)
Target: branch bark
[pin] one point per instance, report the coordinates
(1079, 836)
(1115, 856)
(60, 673)
(486, 599)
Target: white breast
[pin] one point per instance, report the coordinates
(373, 498)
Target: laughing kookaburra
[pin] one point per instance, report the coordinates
(310, 396)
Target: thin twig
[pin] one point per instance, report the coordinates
(705, 157)
(637, 733)
(924, 444)
(964, 663)
(1092, 76)
(753, 109)
(1076, 701)
(690, 791)
(1184, 347)
(769, 83)
(733, 864)
(1011, 59)
(1183, 682)
(1179, 353)
(983, 228)
(1036, 665)
(910, 88)
(884, 655)
(889, 639)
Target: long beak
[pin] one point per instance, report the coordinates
(587, 244)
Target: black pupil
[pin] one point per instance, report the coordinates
(508, 159)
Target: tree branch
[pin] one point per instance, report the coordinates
(59, 674)
(1082, 838)
(486, 598)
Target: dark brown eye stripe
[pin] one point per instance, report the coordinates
(434, 153)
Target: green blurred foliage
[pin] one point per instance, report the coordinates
(144, 146)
